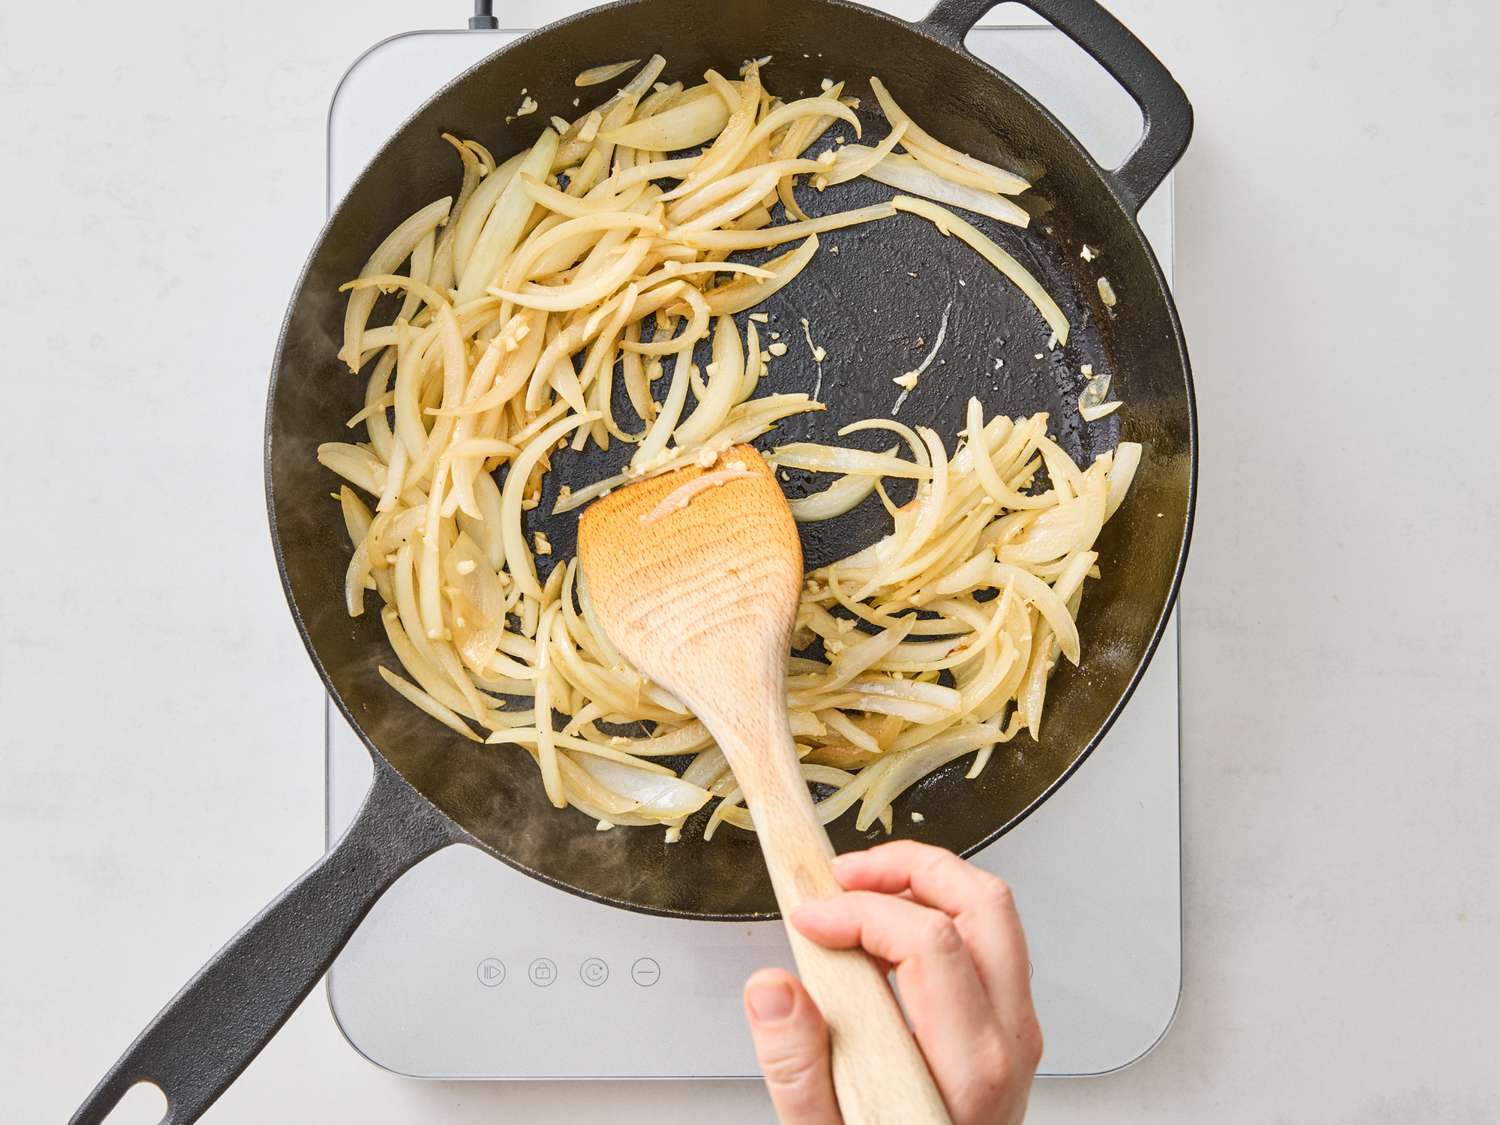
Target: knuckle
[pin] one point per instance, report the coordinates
(796, 1071)
(1032, 1044)
(990, 1082)
(999, 1063)
(997, 894)
(941, 936)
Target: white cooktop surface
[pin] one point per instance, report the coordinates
(468, 969)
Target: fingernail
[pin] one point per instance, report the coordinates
(844, 860)
(770, 1001)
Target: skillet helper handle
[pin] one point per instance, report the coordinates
(879, 1073)
(1167, 112)
(211, 1030)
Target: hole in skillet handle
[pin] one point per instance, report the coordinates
(1164, 106)
(1062, 76)
(143, 1104)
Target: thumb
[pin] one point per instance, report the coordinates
(791, 1042)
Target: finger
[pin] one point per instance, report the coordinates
(791, 1042)
(951, 1015)
(980, 904)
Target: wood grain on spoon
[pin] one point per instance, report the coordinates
(695, 576)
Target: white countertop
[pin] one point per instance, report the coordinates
(160, 768)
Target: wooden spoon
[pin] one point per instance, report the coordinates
(695, 576)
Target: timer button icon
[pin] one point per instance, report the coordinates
(593, 972)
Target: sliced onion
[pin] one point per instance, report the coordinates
(838, 459)
(1070, 526)
(786, 232)
(1094, 413)
(394, 249)
(580, 294)
(355, 464)
(723, 155)
(474, 166)
(843, 495)
(908, 381)
(862, 655)
(758, 178)
(723, 386)
(477, 598)
(1045, 599)
(848, 788)
(907, 174)
(595, 75)
(949, 223)
(690, 738)
(686, 125)
(823, 107)
(661, 796)
(481, 204)
(419, 658)
(532, 736)
(517, 555)
(919, 140)
(503, 227)
(744, 293)
(1122, 472)
(898, 772)
(425, 702)
(853, 161)
(357, 579)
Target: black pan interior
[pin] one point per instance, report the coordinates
(876, 306)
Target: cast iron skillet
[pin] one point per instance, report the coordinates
(432, 789)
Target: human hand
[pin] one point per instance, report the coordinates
(952, 934)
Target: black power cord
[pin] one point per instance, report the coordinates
(483, 18)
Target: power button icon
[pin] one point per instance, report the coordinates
(593, 972)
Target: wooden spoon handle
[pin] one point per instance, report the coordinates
(878, 1071)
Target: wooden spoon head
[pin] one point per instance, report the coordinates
(696, 574)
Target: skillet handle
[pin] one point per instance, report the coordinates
(210, 1031)
(1168, 114)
